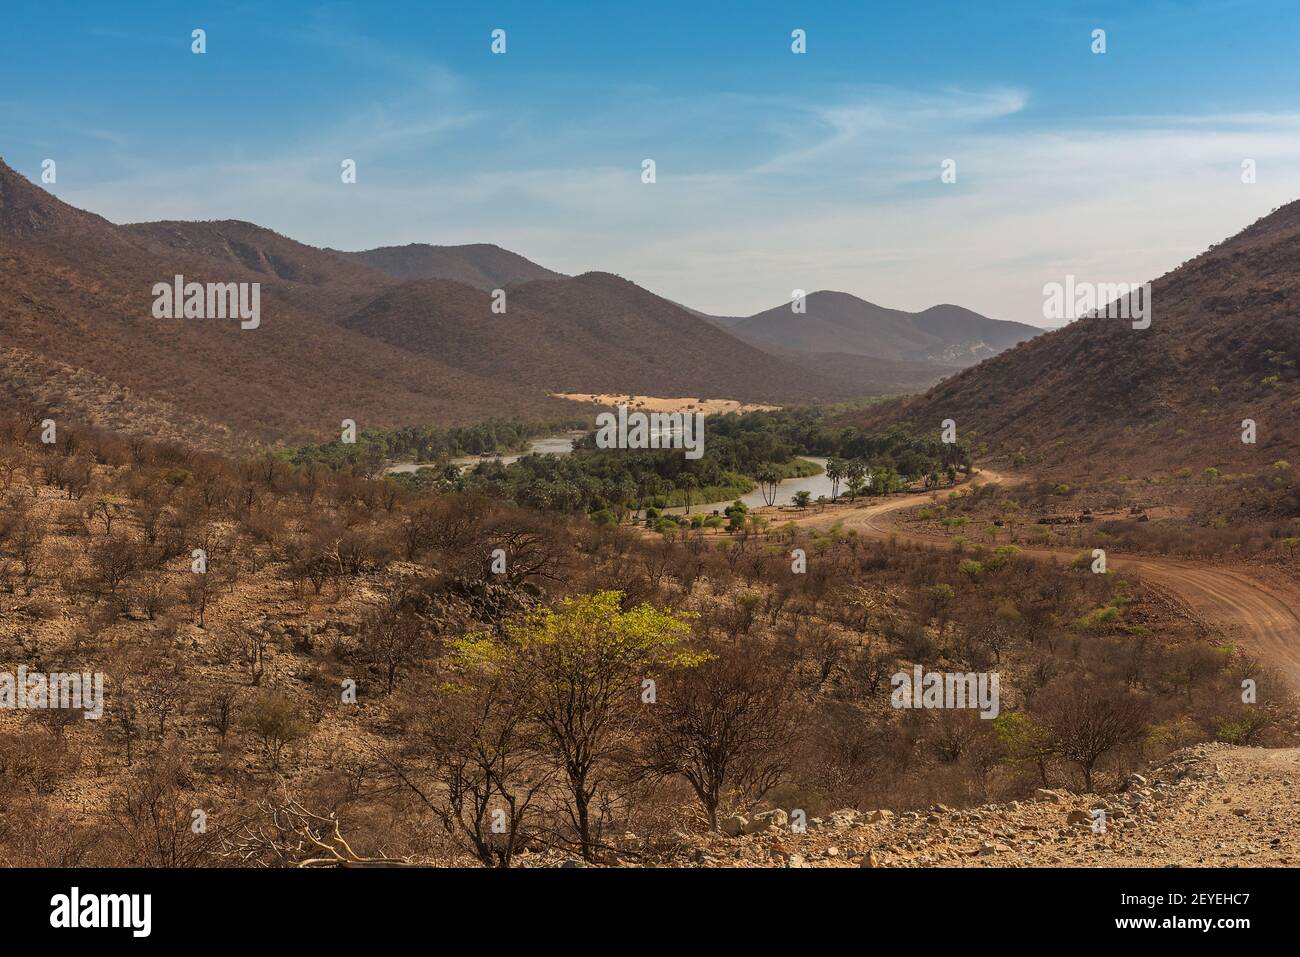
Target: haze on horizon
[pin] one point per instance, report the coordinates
(775, 171)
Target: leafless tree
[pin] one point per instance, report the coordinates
(730, 727)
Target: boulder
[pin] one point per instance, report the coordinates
(844, 817)
(735, 825)
(766, 820)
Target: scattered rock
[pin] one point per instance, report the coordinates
(766, 820)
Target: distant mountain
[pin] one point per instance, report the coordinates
(1223, 346)
(592, 333)
(480, 265)
(837, 322)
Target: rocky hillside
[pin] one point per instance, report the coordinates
(1223, 346)
(1212, 805)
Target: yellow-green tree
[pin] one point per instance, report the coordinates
(583, 667)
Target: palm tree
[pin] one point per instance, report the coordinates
(767, 482)
(688, 483)
(835, 472)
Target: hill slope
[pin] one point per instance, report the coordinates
(1223, 346)
(76, 303)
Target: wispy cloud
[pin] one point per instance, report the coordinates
(756, 195)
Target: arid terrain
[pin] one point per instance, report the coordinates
(336, 662)
(1207, 806)
(364, 586)
(1255, 604)
(651, 450)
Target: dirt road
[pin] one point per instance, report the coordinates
(1263, 619)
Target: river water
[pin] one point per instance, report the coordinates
(550, 445)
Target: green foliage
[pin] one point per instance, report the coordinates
(1231, 732)
(427, 443)
(1007, 611)
(737, 448)
(1098, 618)
(941, 594)
(1019, 733)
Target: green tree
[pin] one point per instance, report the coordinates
(835, 472)
(689, 484)
(768, 480)
(581, 667)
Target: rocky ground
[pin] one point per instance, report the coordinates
(1211, 805)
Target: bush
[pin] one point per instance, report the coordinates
(273, 721)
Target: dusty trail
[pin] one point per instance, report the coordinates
(1262, 619)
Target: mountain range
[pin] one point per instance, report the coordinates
(407, 335)
(842, 323)
(388, 337)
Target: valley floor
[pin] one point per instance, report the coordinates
(1262, 614)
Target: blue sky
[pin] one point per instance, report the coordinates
(775, 171)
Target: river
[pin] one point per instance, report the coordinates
(815, 485)
(550, 445)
